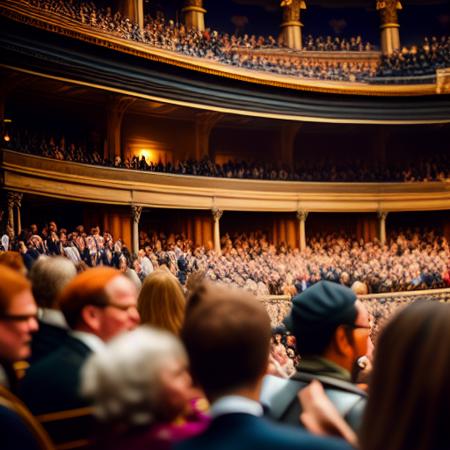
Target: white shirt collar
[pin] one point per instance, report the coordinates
(52, 317)
(90, 340)
(235, 404)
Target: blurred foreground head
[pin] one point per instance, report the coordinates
(100, 301)
(227, 337)
(409, 397)
(139, 378)
(18, 314)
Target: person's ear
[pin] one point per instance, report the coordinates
(341, 342)
(91, 316)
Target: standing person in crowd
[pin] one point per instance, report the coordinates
(97, 304)
(49, 276)
(18, 314)
(227, 338)
(139, 386)
(161, 302)
(409, 384)
(331, 329)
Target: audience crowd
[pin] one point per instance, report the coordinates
(432, 167)
(225, 48)
(418, 60)
(410, 260)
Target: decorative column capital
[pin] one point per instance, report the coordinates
(302, 215)
(291, 10)
(382, 215)
(136, 212)
(14, 199)
(388, 11)
(217, 214)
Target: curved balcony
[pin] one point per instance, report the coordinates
(75, 181)
(55, 47)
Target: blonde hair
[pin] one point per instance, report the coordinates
(161, 302)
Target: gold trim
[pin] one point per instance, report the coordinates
(78, 31)
(389, 25)
(294, 23)
(193, 8)
(227, 110)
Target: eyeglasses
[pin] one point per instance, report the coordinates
(18, 317)
(356, 326)
(126, 308)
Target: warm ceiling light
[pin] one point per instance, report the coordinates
(6, 138)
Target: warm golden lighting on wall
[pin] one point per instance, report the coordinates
(147, 154)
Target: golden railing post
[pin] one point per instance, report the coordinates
(390, 34)
(291, 26)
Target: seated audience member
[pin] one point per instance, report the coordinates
(414, 399)
(14, 261)
(331, 329)
(140, 385)
(97, 304)
(161, 302)
(49, 276)
(227, 338)
(18, 314)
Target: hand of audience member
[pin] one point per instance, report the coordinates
(320, 416)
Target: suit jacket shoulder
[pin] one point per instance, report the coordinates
(245, 432)
(46, 340)
(52, 383)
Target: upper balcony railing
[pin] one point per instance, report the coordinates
(82, 182)
(336, 72)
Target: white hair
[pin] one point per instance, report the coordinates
(123, 380)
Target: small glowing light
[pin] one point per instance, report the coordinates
(6, 138)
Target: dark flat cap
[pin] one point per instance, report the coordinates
(323, 306)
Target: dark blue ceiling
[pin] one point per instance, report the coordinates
(418, 18)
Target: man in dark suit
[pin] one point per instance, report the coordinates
(227, 336)
(332, 332)
(97, 304)
(49, 276)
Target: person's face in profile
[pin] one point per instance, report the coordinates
(175, 385)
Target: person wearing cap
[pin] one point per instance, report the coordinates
(332, 329)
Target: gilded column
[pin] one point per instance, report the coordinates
(133, 10)
(194, 14)
(390, 34)
(136, 212)
(18, 204)
(11, 200)
(302, 216)
(382, 215)
(291, 25)
(217, 214)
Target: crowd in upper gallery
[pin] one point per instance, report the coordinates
(418, 60)
(410, 260)
(433, 167)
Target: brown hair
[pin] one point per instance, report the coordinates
(409, 398)
(87, 288)
(161, 302)
(13, 260)
(11, 284)
(227, 337)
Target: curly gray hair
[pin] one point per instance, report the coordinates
(123, 380)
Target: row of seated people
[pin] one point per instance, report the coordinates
(418, 60)
(433, 167)
(410, 260)
(424, 59)
(116, 367)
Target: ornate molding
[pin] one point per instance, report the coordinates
(136, 212)
(63, 26)
(217, 214)
(302, 215)
(73, 181)
(14, 199)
